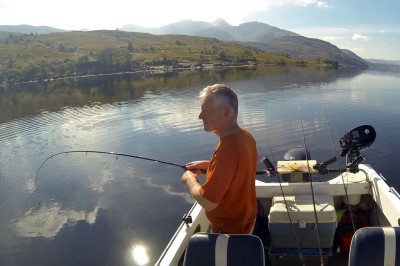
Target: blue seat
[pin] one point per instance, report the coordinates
(220, 250)
(374, 246)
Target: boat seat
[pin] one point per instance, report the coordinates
(221, 249)
(371, 246)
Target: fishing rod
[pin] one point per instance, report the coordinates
(272, 171)
(353, 223)
(123, 155)
(109, 153)
(312, 189)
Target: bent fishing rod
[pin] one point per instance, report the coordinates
(123, 155)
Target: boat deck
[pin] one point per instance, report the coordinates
(373, 203)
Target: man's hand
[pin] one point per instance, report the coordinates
(198, 166)
(189, 178)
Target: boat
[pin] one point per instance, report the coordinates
(350, 219)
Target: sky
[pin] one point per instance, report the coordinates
(369, 28)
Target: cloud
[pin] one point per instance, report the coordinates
(99, 182)
(170, 191)
(322, 4)
(332, 38)
(49, 220)
(359, 37)
(308, 3)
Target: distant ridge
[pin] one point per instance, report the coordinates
(220, 29)
(260, 36)
(309, 48)
(252, 34)
(28, 29)
(382, 61)
(221, 23)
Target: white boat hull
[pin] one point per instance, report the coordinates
(345, 187)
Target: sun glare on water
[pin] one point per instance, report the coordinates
(139, 255)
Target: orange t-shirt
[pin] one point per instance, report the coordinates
(230, 182)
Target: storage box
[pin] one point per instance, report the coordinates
(302, 215)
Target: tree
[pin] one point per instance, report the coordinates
(130, 46)
(114, 59)
(222, 55)
(30, 72)
(105, 57)
(61, 48)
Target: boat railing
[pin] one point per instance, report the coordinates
(394, 191)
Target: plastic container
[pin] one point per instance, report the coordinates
(302, 215)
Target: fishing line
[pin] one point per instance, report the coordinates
(341, 174)
(269, 145)
(311, 186)
(331, 134)
(286, 204)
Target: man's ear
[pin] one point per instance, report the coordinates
(228, 112)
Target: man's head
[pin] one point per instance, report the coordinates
(222, 95)
(219, 108)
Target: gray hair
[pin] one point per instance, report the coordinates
(222, 94)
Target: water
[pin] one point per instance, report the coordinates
(93, 209)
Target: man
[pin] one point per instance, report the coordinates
(228, 194)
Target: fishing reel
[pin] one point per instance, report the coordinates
(352, 167)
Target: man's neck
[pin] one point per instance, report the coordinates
(229, 130)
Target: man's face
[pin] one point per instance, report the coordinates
(212, 115)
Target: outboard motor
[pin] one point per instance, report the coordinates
(296, 154)
(353, 141)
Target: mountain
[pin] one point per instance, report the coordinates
(28, 29)
(386, 62)
(260, 36)
(308, 48)
(220, 29)
(384, 65)
(251, 34)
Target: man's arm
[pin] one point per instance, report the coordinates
(197, 165)
(190, 179)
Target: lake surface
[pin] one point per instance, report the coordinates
(98, 209)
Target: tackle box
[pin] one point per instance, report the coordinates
(302, 217)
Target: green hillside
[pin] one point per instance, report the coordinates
(32, 57)
(303, 48)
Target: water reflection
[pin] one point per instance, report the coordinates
(49, 219)
(103, 210)
(140, 254)
(30, 99)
